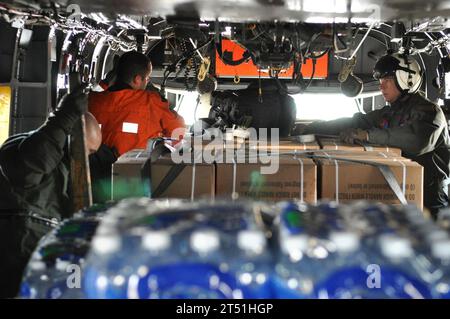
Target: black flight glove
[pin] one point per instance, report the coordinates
(353, 136)
(70, 109)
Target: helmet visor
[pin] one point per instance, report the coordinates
(377, 75)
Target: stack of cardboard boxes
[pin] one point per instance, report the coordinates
(298, 171)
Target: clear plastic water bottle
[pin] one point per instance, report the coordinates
(400, 278)
(200, 271)
(424, 235)
(293, 276)
(343, 273)
(251, 264)
(59, 255)
(36, 281)
(105, 276)
(441, 253)
(228, 217)
(154, 252)
(291, 220)
(77, 229)
(62, 285)
(443, 220)
(347, 250)
(294, 269)
(433, 233)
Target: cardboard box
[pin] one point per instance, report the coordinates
(347, 181)
(361, 155)
(383, 149)
(126, 175)
(195, 180)
(296, 179)
(336, 144)
(204, 144)
(286, 145)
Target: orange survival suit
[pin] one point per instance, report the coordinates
(128, 119)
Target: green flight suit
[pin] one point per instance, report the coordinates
(34, 180)
(415, 125)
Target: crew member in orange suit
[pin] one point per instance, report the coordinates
(129, 116)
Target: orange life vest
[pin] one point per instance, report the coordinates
(128, 118)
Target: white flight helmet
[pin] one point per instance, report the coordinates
(405, 70)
